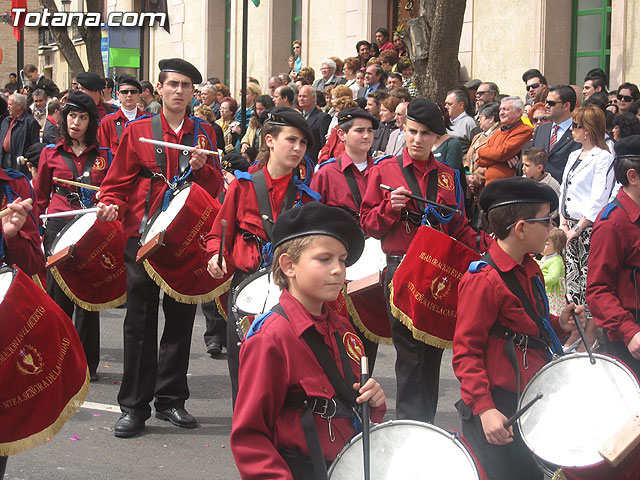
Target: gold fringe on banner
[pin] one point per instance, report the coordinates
(180, 297)
(417, 334)
(92, 307)
(219, 305)
(353, 313)
(36, 280)
(40, 438)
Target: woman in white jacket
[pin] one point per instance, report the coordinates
(586, 184)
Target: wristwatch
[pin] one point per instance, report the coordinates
(578, 229)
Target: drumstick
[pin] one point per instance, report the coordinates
(72, 213)
(7, 211)
(177, 146)
(77, 184)
(224, 233)
(519, 413)
(424, 200)
(583, 336)
(366, 450)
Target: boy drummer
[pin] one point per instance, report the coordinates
(281, 376)
(493, 306)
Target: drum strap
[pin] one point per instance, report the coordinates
(264, 203)
(119, 128)
(85, 178)
(161, 163)
(412, 182)
(341, 385)
(353, 184)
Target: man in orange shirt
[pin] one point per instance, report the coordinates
(506, 143)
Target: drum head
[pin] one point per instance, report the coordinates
(583, 406)
(73, 231)
(161, 220)
(406, 450)
(372, 260)
(256, 294)
(6, 277)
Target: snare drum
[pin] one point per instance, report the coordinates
(365, 298)
(256, 294)
(407, 450)
(43, 367)
(87, 262)
(582, 407)
(173, 249)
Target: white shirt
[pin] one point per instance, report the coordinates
(585, 191)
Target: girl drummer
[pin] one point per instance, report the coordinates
(251, 206)
(77, 157)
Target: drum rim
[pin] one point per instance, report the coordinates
(158, 211)
(68, 227)
(238, 288)
(429, 426)
(556, 361)
(4, 268)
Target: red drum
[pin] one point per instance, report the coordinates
(365, 300)
(87, 261)
(173, 248)
(42, 365)
(424, 289)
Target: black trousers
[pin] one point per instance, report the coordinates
(3, 466)
(417, 368)
(620, 351)
(216, 326)
(87, 323)
(500, 462)
(149, 371)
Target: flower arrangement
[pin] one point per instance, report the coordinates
(6, 18)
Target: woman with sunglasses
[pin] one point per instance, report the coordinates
(586, 184)
(627, 94)
(538, 115)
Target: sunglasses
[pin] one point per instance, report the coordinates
(532, 86)
(131, 91)
(575, 126)
(551, 103)
(479, 94)
(540, 119)
(625, 98)
(544, 220)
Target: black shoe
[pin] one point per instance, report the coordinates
(94, 377)
(178, 416)
(128, 425)
(214, 349)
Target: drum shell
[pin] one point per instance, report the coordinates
(93, 276)
(588, 404)
(179, 267)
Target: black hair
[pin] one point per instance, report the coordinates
(622, 165)
(491, 110)
(146, 85)
(213, 80)
(109, 83)
(533, 73)
(597, 82)
(360, 43)
(599, 99)
(403, 64)
(362, 102)
(632, 87)
(287, 92)
(53, 106)
(266, 101)
(628, 124)
(596, 73)
(566, 93)
(90, 136)
(501, 217)
(383, 31)
(321, 101)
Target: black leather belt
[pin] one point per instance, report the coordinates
(520, 340)
(325, 407)
(394, 259)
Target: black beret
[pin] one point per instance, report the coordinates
(129, 80)
(514, 190)
(316, 218)
(234, 161)
(427, 113)
(91, 81)
(288, 117)
(179, 65)
(82, 102)
(628, 147)
(355, 112)
(33, 153)
(473, 84)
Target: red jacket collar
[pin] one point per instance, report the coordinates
(630, 207)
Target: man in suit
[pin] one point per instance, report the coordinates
(555, 138)
(18, 131)
(374, 79)
(318, 120)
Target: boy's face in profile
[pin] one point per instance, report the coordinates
(530, 169)
(319, 274)
(536, 233)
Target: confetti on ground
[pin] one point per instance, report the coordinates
(139, 443)
(206, 444)
(117, 382)
(221, 446)
(96, 414)
(107, 365)
(74, 438)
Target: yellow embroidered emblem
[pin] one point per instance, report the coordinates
(354, 347)
(100, 164)
(445, 180)
(29, 361)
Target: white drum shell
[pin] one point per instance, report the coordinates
(73, 232)
(406, 450)
(258, 296)
(164, 219)
(582, 407)
(372, 260)
(6, 278)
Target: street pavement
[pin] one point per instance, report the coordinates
(86, 448)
